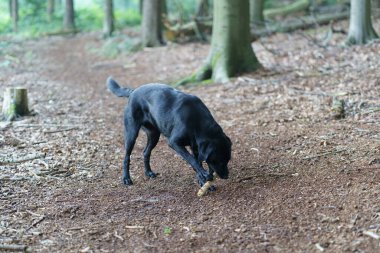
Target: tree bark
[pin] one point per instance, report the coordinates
(69, 17)
(151, 27)
(15, 103)
(361, 30)
(14, 11)
(231, 51)
(256, 8)
(108, 23)
(50, 9)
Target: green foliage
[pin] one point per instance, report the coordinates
(90, 18)
(128, 17)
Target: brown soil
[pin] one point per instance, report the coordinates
(301, 181)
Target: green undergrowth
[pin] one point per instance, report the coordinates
(116, 45)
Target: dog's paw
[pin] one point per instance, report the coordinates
(151, 174)
(127, 181)
(212, 188)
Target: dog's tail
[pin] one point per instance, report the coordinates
(115, 88)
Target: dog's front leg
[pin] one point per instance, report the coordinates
(202, 174)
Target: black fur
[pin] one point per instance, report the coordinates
(183, 119)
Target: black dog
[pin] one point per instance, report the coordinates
(183, 119)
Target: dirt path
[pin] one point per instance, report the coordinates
(301, 181)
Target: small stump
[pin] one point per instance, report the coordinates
(15, 103)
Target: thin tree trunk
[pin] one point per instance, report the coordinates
(151, 27)
(69, 18)
(256, 8)
(141, 3)
(361, 30)
(108, 24)
(50, 9)
(202, 8)
(14, 15)
(231, 51)
(10, 8)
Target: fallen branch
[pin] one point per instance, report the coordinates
(5, 160)
(296, 24)
(284, 10)
(13, 247)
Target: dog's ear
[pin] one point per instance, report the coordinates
(204, 151)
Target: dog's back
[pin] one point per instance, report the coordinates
(164, 106)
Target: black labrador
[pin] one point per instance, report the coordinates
(183, 119)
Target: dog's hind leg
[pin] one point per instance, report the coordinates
(153, 136)
(131, 132)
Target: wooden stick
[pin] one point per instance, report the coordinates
(204, 189)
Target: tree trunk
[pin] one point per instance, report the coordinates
(50, 9)
(15, 103)
(108, 23)
(141, 3)
(361, 30)
(256, 8)
(231, 51)
(14, 11)
(202, 8)
(10, 8)
(69, 18)
(151, 27)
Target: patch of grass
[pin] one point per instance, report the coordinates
(168, 231)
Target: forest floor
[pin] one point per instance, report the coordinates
(300, 180)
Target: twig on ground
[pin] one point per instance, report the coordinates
(372, 234)
(5, 160)
(36, 222)
(324, 154)
(134, 227)
(60, 130)
(266, 175)
(118, 236)
(13, 247)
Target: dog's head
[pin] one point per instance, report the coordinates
(217, 154)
